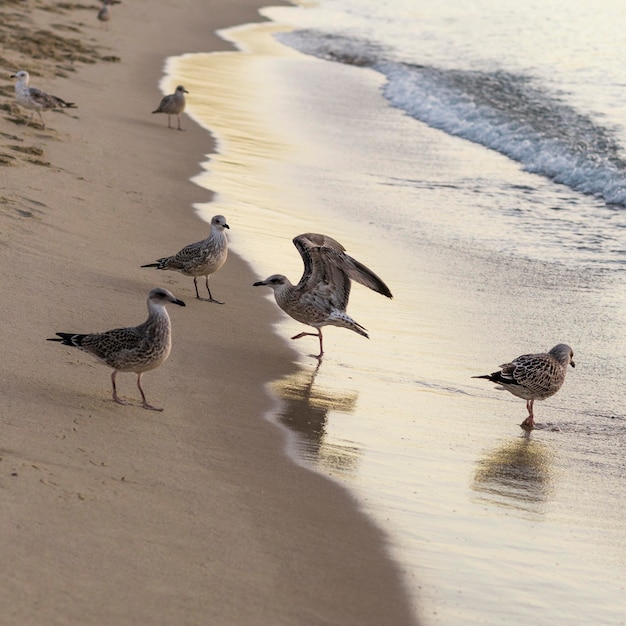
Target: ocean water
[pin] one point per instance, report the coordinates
(474, 156)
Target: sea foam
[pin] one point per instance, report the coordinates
(503, 111)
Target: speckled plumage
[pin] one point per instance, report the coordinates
(35, 99)
(534, 376)
(202, 258)
(321, 296)
(135, 349)
(174, 104)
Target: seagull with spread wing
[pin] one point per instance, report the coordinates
(321, 297)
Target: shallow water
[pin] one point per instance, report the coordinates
(486, 261)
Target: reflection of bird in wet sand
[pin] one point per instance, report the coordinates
(35, 99)
(516, 474)
(137, 349)
(534, 376)
(321, 296)
(202, 258)
(304, 410)
(174, 104)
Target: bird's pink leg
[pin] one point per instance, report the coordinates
(317, 334)
(529, 422)
(115, 396)
(143, 397)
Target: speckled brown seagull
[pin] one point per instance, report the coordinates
(534, 376)
(321, 296)
(136, 349)
(35, 99)
(202, 258)
(174, 104)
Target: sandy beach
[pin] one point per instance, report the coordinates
(112, 514)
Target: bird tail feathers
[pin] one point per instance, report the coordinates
(68, 339)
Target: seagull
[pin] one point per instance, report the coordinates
(35, 99)
(202, 258)
(103, 14)
(534, 376)
(137, 349)
(174, 104)
(321, 296)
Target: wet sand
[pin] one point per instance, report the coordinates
(117, 515)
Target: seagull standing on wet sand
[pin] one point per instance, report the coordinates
(202, 258)
(534, 376)
(174, 104)
(137, 349)
(35, 99)
(321, 296)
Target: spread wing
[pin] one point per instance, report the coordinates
(328, 270)
(323, 281)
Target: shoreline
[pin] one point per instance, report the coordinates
(118, 515)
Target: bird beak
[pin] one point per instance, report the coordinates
(186, 91)
(259, 284)
(226, 226)
(178, 302)
(572, 363)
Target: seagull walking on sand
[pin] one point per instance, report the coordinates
(137, 349)
(35, 99)
(174, 104)
(202, 258)
(534, 376)
(104, 15)
(321, 296)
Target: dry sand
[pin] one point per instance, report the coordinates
(115, 515)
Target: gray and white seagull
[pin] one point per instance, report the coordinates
(202, 258)
(35, 99)
(104, 14)
(534, 376)
(174, 104)
(321, 297)
(135, 349)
